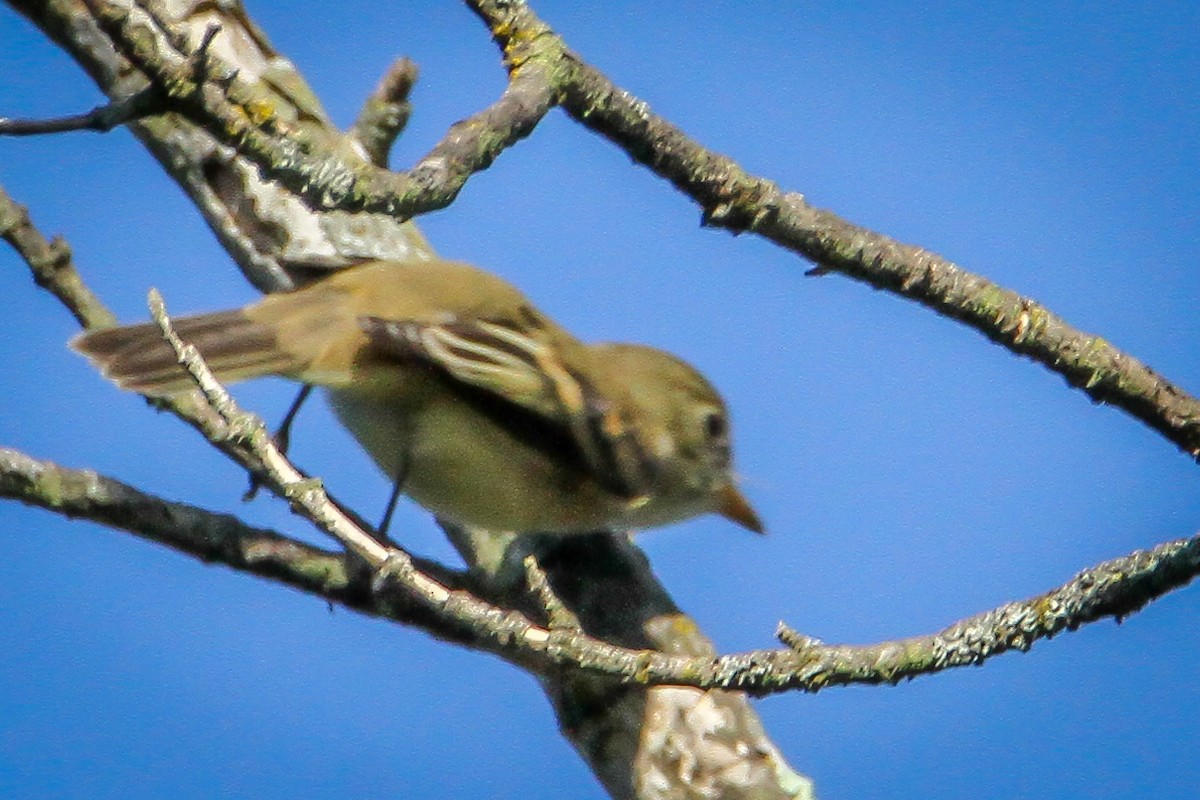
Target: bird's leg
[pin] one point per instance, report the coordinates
(283, 435)
(397, 490)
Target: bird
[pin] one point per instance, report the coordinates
(477, 405)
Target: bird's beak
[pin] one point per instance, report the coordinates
(735, 507)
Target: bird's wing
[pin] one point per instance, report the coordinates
(524, 369)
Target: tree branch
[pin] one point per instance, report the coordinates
(275, 238)
(101, 119)
(243, 118)
(54, 270)
(224, 539)
(206, 535)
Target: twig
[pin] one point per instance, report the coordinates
(303, 493)
(307, 496)
(474, 143)
(1115, 589)
(204, 534)
(54, 270)
(385, 114)
(103, 118)
(558, 616)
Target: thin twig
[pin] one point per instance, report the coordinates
(103, 118)
(558, 616)
(206, 535)
(303, 493)
(391, 565)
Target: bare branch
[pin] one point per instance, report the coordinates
(219, 538)
(1114, 589)
(102, 118)
(54, 270)
(273, 235)
(204, 534)
(386, 112)
(238, 115)
(307, 496)
(558, 615)
(473, 144)
(302, 492)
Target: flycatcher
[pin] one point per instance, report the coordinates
(484, 410)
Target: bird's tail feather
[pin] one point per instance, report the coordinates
(139, 359)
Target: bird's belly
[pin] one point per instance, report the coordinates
(469, 470)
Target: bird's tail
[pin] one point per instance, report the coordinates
(138, 358)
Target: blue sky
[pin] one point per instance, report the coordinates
(910, 472)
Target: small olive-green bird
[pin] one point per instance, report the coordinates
(480, 407)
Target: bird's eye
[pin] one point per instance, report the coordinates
(714, 425)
